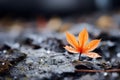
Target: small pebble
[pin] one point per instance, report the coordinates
(115, 74)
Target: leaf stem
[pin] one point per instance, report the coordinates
(79, 56)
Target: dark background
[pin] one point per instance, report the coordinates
(31, 8)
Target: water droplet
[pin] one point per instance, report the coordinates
(118, 54)
(3, 63)
(105, 73)
(4, 51)
(48, 51)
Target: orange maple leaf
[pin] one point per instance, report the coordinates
(81, 45)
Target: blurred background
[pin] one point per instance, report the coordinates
(54, 7)
(60, 14)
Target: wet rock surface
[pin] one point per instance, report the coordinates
(53, 44)
(9, 57)
(48, 60)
